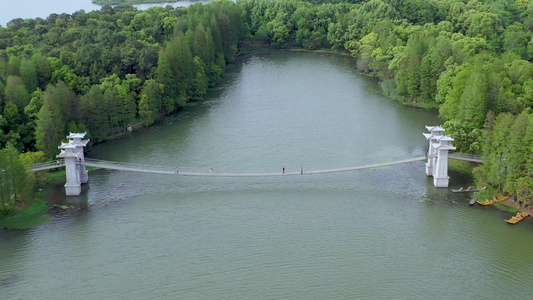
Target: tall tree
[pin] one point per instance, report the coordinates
(16, 92)
(42, 67)
(12, 177)
(60, 107)
(473, 101)
(516, 154)
(94, 113)
(29, 75)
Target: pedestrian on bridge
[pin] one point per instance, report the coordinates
(301, 170)
(177, 171)
(283, 170)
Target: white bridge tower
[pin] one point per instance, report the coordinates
(437, 155)
(72, 152)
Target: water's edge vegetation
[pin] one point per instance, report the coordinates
(105, 71)
(130, 2)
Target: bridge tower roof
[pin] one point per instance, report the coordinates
(65, 154)
(437, 128)
(434, 131)
(445, 143)
(67, 146)
(76, 135)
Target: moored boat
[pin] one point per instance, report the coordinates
(493, 200)
(517, 218)
(467, 190)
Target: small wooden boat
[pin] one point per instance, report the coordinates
(486, 202)
(493, 200)
(472, 201)
(501, 199)
(467, 190)
(517, 218)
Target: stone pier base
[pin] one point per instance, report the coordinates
(429, 170)
(441, 182)
(73, 190)
(84, 177)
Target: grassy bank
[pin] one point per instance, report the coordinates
(30, 213)
(463, 167)
(466, 168)
(31, 216)
(388, 86)
(508, 206)
(297, 49)
(254, 47)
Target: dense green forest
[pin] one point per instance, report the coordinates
(103, 71)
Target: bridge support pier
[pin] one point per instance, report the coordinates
(76, 140)
(437, 165)
(73, 185)
(72, 153)
(434, 133)
(440, 173)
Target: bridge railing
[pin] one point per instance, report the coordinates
(465, 157)
(185, 172)
(46, 166)
(170, 169)
(126, 166)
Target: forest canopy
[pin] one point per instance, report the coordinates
(103, 71)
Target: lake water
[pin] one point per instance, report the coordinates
(42, 9)
(385, 233)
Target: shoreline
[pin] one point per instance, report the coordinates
(245, 49)
(130, 2)
(34, 212)
(466, 168)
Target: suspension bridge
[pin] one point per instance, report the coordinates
(75, 163)
(156, 169)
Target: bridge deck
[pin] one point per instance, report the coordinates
(170, 171)
(466, 157)
(167, 171)
(47, 166)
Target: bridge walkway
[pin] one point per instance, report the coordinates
(466, 157)
(47, 166)
(168, 171)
